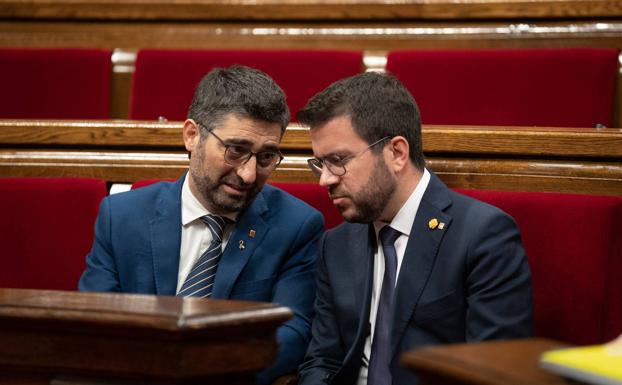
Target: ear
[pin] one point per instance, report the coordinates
(397, 154)
(191, 135)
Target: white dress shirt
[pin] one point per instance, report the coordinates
(402, 222)
(195, 236)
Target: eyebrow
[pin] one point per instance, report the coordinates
(335, 154)
(245, 142)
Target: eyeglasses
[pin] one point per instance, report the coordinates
(335, 164)
(237, 155)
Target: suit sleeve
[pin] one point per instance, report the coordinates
(295, 288)
(101, 272)
(325, 353)
(499, 282)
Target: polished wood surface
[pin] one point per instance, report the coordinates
(512, 362)
(603, 143)
(572, 160)
(98, 336)
(306, 9)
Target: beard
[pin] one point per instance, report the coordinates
(211, 190)
(369, 202)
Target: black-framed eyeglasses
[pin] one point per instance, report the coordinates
(237, 155)
(335, 164)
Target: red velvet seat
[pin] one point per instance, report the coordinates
(47, 229)
(317, 197)
(574, 247)
(165, 80)
(54, 83)
(526, 87)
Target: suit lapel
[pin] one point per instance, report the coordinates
(241, 246)
(420, 254)
(361, 263)
(165, 232)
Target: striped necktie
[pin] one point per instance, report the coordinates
(200, 280)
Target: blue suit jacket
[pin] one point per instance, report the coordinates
(137, 243)
(468, 281)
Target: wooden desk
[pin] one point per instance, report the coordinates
(489, 363)
(62, 338)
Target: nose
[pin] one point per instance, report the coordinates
(248, 171)
(327, 178)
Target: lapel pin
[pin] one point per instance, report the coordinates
(441, 225)
(251, 233)
(433, 223)
(241, 245)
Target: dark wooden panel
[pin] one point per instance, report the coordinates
(135, 337)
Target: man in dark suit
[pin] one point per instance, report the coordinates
(218, 232)
(417, 264)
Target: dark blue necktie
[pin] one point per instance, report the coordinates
(200, 280)
(379, 372)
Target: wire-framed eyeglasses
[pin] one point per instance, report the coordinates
(335, 164)
(237, 155)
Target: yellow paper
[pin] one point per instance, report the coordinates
(599, 364)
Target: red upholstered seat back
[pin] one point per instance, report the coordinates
(527, 87)
(317, 197)
(47, 229)
(54, 83)
(147, 182)
(574, 247)
(165, 80)
(311, 193)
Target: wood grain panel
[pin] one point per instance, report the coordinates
(509, 362)
(306, 9)
(351, 34)
(495, 174)
(573, 160)
(131, 337)
(472, 140)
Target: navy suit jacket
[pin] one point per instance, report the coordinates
(137, 243)
(468, 281)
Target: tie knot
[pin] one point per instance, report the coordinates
(216, 224)
(388, 235)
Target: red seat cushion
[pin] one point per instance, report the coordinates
(317, 197)
(526, 87)
(165, 80)
(55, 83)
(574, 249)
(47, 230)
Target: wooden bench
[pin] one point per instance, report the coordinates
(569, 160)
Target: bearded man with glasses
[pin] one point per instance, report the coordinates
(415, 263)
(219, 231)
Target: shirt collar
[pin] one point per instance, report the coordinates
(405, 217)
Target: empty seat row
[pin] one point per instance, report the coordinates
(572, 244)
(527, 87)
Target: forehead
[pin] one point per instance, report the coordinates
(337, 136)
(252, 130)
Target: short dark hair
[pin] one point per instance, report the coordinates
(378, 105)
(239, 90)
